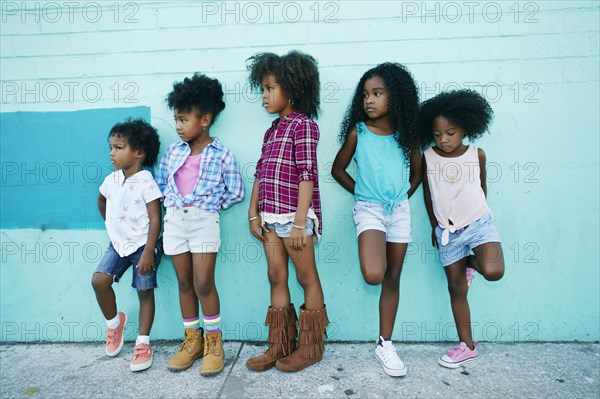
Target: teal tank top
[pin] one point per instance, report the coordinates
(382, 175)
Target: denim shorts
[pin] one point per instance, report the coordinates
(283, 230)
(396, 225)
(111, 263)
(461, 243)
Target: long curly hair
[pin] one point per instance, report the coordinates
(199, 92)
(140, 135)
(403, 105)
(465, 108)
(296, 72)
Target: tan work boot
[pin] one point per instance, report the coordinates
(312, 324)
(191, 349)
(281, 339)
(214, 357)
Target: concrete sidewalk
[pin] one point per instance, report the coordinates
(348, 370)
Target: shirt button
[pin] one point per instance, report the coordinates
(185, 211)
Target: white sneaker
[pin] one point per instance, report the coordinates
(386, 353)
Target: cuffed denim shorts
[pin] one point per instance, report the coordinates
(461, 243)
(283, 230)
(396, 225)
(115, 265)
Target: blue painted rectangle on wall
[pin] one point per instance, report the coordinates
(53, 164)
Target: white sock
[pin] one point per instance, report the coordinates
(143, 339)
(113, 323)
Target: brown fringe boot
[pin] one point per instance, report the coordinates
(310, 350)
(281, 339)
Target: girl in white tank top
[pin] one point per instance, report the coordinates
(454, 187)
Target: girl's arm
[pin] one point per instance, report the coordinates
(256, 222)
(147, 259)
(416, 174)
(161, 175)
(234, 185)
(306, 138)
(305, 194)
(102, 206)
(482, 173)
(342, 160)
(428, 203)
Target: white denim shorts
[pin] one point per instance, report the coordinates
(191, 229)
(396, 225)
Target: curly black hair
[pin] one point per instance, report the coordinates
(140, 135)
(403, 105)
(296, 72)
(465, 108)
(199, 93)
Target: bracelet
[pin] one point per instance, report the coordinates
(298, 227)
(253, 218)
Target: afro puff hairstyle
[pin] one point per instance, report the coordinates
(296, 72)
(403, 105)
(140, 135)
(464, 108)
(199, 93)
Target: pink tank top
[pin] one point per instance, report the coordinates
(456, 192)
(187, 175)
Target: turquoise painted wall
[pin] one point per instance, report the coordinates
(68, 73)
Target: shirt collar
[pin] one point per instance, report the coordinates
(215, 143)
(288, 118)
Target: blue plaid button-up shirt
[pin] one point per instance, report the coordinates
(219, 182)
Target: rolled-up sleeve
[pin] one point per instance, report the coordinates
(161, 175)
(232, 178)
(306, 139)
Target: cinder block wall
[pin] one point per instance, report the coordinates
(69, 70)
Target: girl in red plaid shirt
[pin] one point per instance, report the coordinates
(285, 208)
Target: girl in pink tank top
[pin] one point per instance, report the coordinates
(454, 187)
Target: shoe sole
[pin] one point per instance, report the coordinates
(140, 367)
(454, 365)
(115, 353)
(184, 367)
(212, 372)
(392, 372)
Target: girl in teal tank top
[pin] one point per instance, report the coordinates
(380, 132)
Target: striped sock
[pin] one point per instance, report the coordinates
(194, 322)
(212, 323)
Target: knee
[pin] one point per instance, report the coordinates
(373, 277)
(392, 282)
(457, 289)
(101, 281)
(494, 274)
(203, 286)
(276, 276)
(186, 285)
(306, 280)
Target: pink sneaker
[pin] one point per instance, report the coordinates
(114, 337)
(459, 355)
(470, 275)
(142, 357)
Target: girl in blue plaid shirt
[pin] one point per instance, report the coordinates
(198, 177)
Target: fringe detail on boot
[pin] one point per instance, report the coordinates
(282, 331)
(311, 344)
(312, 326)
(313, 319)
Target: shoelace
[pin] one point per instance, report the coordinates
(455, 351)
(139, 351)
(211, 346)
(188, 342)
(111, 335)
